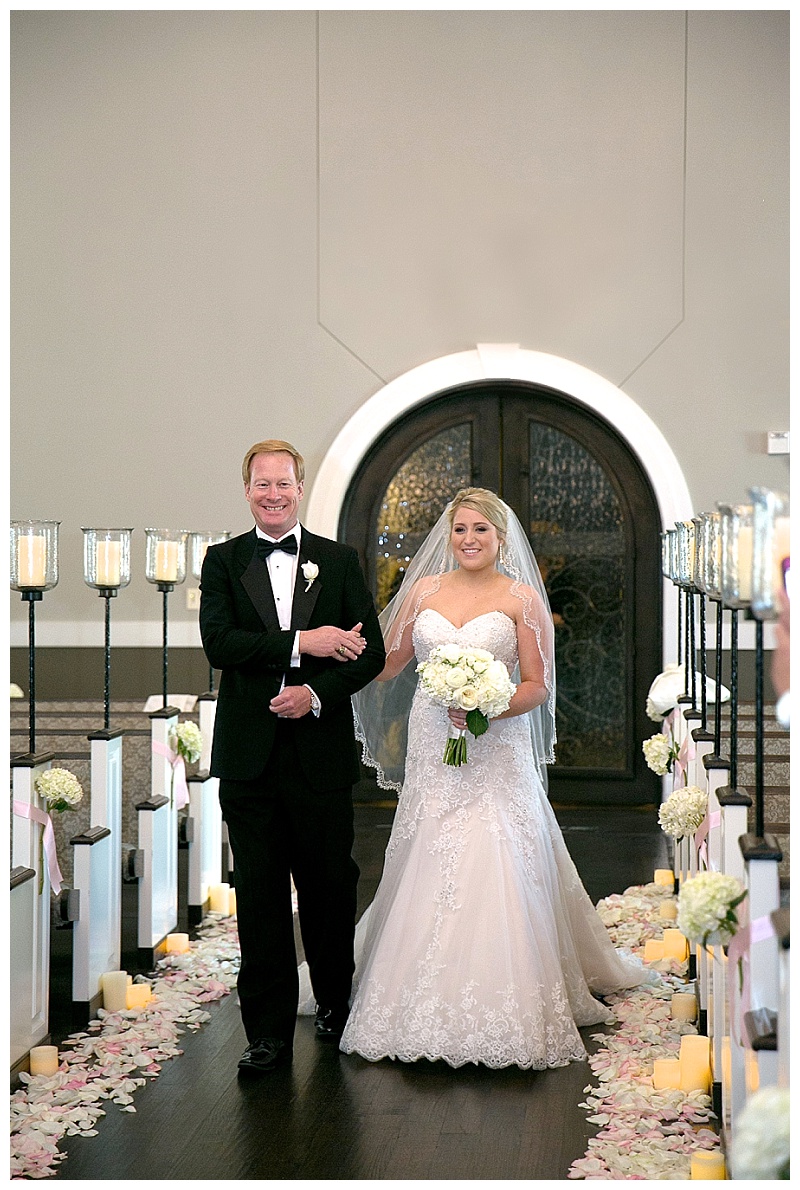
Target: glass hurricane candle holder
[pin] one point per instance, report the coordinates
(736, 556)
(699, 559)
(165, 560)
(199, 542)
(711, 554)
(672, 535)
(770, 546)
(107, 558)
(686, 551)
(34, 556)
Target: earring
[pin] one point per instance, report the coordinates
(500, 556)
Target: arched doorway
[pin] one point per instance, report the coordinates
(593, 520)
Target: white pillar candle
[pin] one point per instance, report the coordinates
(666, 1074)
(31, 560)
(219, 898)
(668, 911)
(232, 903)
(744, 564)
(708, 1165)
(177, 943)
(108, 564)
(675, 946)
(653, 950)
(683, 1006)
(695, 1063)
(664, 876)
(782, 549)
(138, 995)
(166, 568)
(44, 1059)
(115, 988)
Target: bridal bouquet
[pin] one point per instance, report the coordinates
(468, 680)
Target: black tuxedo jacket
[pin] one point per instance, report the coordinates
(242, 638)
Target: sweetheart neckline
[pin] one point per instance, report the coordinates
(494, 612)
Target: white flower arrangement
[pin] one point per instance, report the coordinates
(660, 753)
(707, 908)
(760, 1146)
(310, 572)
(59, 788)
(668, 687)
(469, 680)
(683, 811)
(187, 741)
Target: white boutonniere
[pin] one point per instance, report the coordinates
(310, 572)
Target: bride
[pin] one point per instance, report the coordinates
(481, 944)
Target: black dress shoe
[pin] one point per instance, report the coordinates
(329, 1023)
(263, 1055)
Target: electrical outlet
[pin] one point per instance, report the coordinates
(192, 598)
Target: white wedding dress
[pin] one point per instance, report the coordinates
(481, 944)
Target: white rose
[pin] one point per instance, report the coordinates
(456, 677)
(310, 572)
(468, 698)
(450, 653)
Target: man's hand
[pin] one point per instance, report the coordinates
(293, 702)
(333, 642)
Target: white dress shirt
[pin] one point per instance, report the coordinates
(282, 569)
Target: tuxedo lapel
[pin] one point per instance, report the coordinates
(304, 600)
(255, 581)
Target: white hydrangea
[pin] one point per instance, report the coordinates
(59, 788)
(707, 907)
(658, 753)
(683, 811)
(187, 740)
(760, 1144)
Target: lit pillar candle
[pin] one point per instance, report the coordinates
(232, 903)
(781, 550)
(708, 1165)
(31, 560)
(653, 950)
(177, 943)
(664, 876)
(744, 564)
(668, 911)
(675, 946)
(108, 564)
(695, 1063)
(166, 568)
(44, 1059)
(219, 898)
(115, 988)
(138, 995)
(683, 1006)
(666, 1074)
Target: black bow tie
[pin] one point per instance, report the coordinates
(265, 548)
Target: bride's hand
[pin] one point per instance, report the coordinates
(458, 718)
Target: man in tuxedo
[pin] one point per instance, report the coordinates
(288, 619)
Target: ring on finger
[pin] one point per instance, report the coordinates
(342, 650)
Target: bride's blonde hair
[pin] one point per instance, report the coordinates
(481, 500)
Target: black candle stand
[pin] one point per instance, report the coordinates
(165, 589)
(31, 596)
(107, 593)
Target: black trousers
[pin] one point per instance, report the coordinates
(279, 827)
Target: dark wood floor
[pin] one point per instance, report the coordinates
(337, 1116)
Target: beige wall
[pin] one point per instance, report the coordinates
(233, 225)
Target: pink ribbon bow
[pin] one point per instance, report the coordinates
(708, 824)
(739, 948)
(179, 771)
(687, 752)
(26, 810)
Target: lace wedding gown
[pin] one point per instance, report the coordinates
(482, 944)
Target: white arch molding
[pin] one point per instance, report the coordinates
(504, 361)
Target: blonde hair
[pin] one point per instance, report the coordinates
(481, 500)
(272, 446)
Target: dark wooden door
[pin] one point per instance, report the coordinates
(592, 518)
